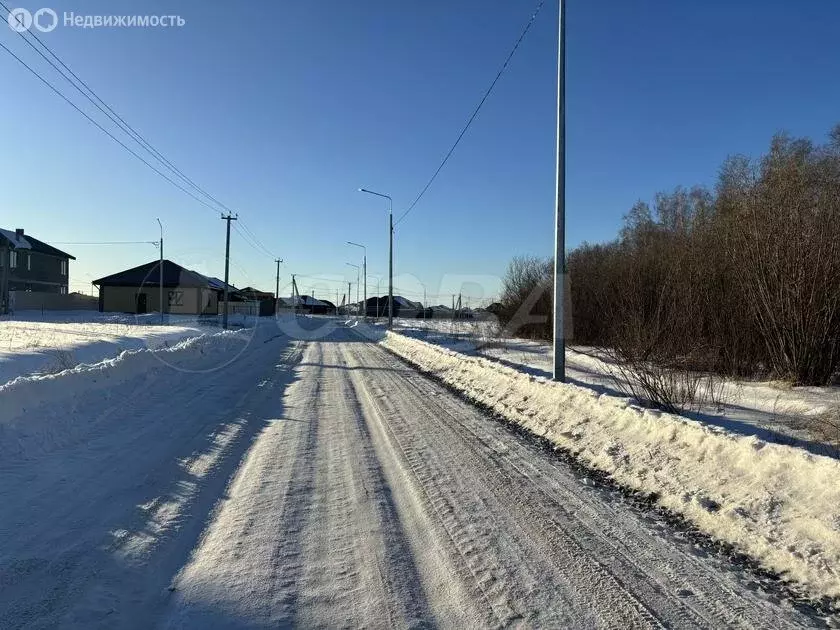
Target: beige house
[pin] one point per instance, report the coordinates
(137, 290)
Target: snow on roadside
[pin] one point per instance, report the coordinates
(769, 410)
(778, 504)
(32, 342)
(41, 412)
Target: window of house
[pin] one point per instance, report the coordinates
(13, 260)
(63, 267)
(63, 290)
(29, 262)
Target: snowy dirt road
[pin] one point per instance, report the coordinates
(324, 484)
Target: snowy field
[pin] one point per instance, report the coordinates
(771, 411)
(32, 342)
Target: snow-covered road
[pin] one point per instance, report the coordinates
(326, 484)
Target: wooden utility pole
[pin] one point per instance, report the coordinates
(227, 218)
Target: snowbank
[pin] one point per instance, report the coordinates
(41, 412)
(32, 342)
(769, 410)
(778, 504)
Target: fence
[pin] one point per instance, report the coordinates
(42, 301)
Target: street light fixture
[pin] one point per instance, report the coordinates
(390, 252)
(364, 273)
(357, 284)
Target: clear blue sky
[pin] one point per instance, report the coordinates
(283, 109)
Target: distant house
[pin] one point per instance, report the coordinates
(403, 307)
(307, 304)
(495, 308)
(250, 293)
(29, 264)
(137, 290)
(264, 300)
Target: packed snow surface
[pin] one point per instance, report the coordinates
(253, 479)
(778, 504)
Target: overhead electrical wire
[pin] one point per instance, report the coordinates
(105, 131)
(106, 109)
(474, 114)
(118, 120)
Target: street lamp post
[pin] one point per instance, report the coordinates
(357, 283)
(378, 280)
(559, 373)
(390, 253)
(364, 272)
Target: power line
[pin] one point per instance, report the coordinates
(249, 236)
(300, 275)
(103, 130)
(475, 112)
(104, 242)
(106, 109)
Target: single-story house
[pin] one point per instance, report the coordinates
(307, 304)
(137, 290)
(264, 300)
(403, 307)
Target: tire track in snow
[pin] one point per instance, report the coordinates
(382, 538)
(675, 588)
(483, 535)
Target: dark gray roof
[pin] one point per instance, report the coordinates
(26, 241)
(174, 275)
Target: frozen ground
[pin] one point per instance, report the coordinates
(32, 342)
(250, 480)
(770, 411)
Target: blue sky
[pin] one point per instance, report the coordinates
(283, 109)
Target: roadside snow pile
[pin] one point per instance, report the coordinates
(778, 504)
(36, 343)
(41, 412)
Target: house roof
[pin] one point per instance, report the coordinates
(174, 275)
(31, 243)
(253, 291)
(406, 303)
(305, 300)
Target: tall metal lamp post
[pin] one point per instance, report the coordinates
(390, 253)
(364, 272)
(560, 205)
(357, 283)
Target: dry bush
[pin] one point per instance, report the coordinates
(59, 361)
(783, 216)
(740, 281)
(526, 298)
(825, 426)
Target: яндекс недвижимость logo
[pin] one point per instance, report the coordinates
(45, 20)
